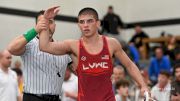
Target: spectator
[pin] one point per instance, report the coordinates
(171, 48)
(20, 80)
(122, 89)
(175, 91)
(161, 91)
(8, 79)
(138, 37)
(118, 74)
(111, 23)
(70, 86)
(17, 64)
(134, 54)
(158, 63)
(177, 53)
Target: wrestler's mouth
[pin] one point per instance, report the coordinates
(86, 30)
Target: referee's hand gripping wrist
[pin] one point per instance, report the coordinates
(42, 24)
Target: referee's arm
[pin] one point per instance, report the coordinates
(17, 46)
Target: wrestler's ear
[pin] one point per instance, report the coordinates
(98, 23)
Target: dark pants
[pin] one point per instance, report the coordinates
(34, 97)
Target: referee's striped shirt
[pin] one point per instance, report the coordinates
(43, 72)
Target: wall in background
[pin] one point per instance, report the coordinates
(16, 25)
(12, 25)
(131, 11)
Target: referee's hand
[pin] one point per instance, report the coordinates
(42, 24)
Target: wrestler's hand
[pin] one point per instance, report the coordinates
(146, 93)
(50, 13)
(144, 89)
(42, 24)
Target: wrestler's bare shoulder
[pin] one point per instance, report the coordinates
(112, 41)
(73, 45)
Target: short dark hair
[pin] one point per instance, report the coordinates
(122, 83)
(89, 10)
(166, 73)
(177, 65)
(158, 47)
(18, 71)
(177, 51)
(110, 7)
(38, 14)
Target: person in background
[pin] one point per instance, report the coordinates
(175, 85)
(171, 48)
(177, 54)
(112, 23)
(122, 87)
(137, 40)
(161, 91)
(138, 37)
(158, 63)
(17, 64)
(118, 74)
(20, 80)
(8, 79)
(134, 54)
(70, 86)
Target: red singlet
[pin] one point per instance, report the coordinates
(94, 74)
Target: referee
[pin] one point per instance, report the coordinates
(43, 73)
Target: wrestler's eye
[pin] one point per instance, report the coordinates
(81, 21)
(90, 21)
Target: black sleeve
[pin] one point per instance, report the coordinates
(132, 39)
(104, 24)
(120, 23)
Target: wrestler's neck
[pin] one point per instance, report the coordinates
(91, 39)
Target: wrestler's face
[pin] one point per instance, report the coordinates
(88, 25)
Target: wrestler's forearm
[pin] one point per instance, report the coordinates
(44, 42)
(135, 73)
